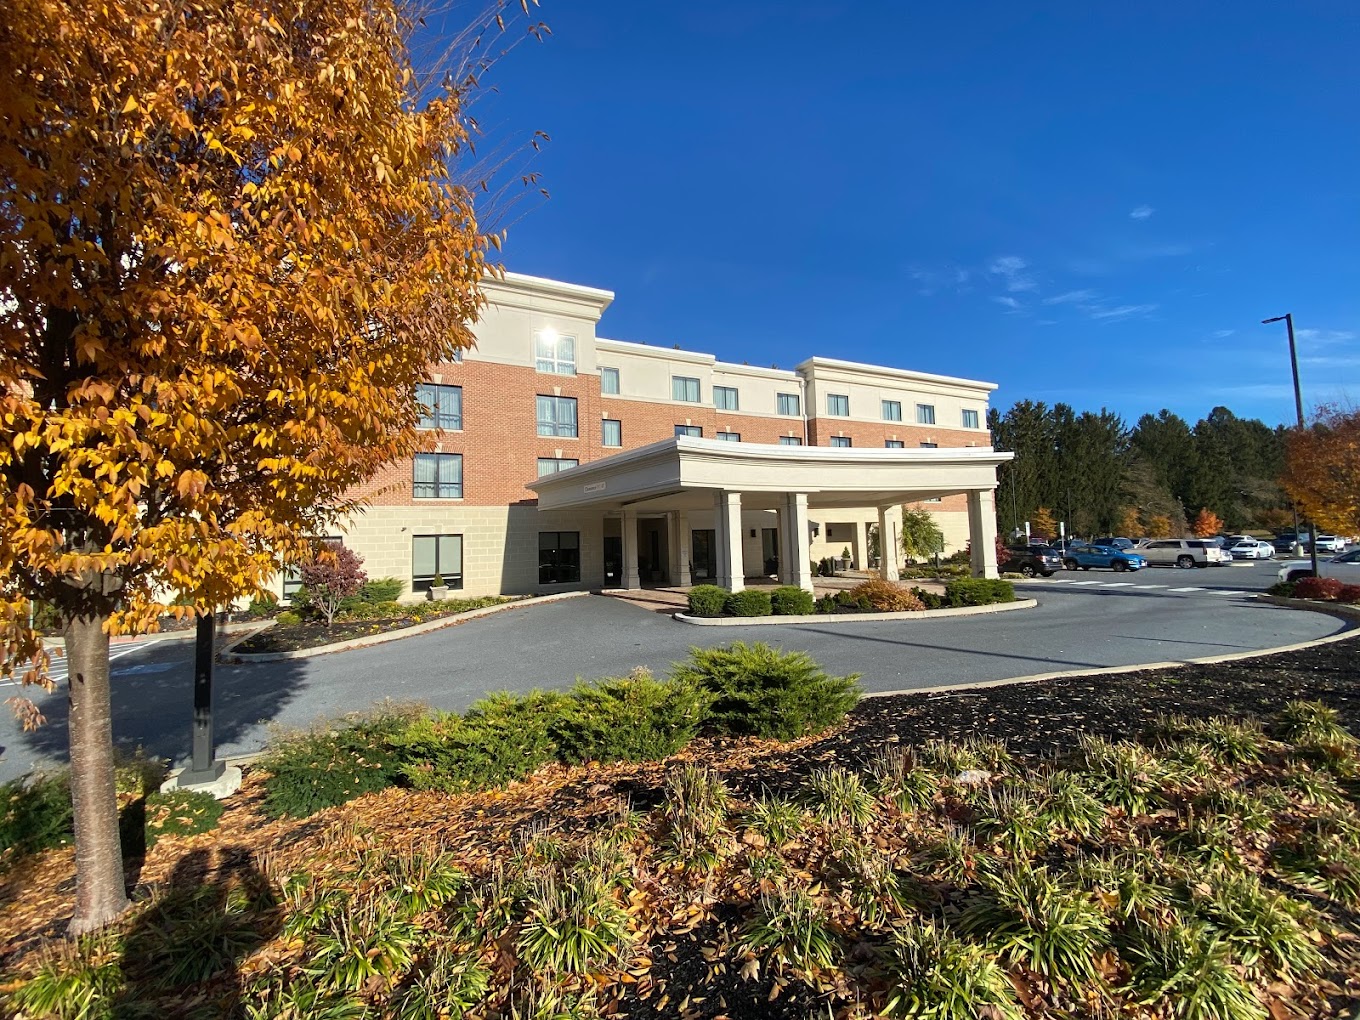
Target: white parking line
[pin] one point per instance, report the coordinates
(1147, 586)
(60, 670)
(1078, 584)
(1189, 589)
(1227, 591)
(1118, 584)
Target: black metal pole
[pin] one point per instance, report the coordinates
(1298, 407)
(203, 676)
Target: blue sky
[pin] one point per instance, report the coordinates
(1093, 203)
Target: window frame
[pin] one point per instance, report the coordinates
(929, 446)
(557, 365)
(437, 400)
(609, 373)
(618, 423)
(840, 442)
(680, 383)
(894, 444)
(555, 425)
(423, 582)
(559, 464)
(692, 431)
(735, 405)
(780, 399)
(843, 399)
(886, 407)
(728, 437)
(790, 441)
(557, 548)
(925, 414)
(968, 412)
(440, 459)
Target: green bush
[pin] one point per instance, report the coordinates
(312, 771)
(751, 602)
(35, 814)
(288, 618)
(1284, 589)
(180, 813)
(260, 607)
(978, 591)
(761, 691)
(502, 738)
(929, 599)
(790, 600)
(707, 600)
(853, 602)
(388, 610)
(632, 718)
(382, 589)
(827, 604)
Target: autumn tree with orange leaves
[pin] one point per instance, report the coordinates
(232, 236)
(1322, 469)
(1207, 524)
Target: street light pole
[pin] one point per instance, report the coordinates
(1288, 318)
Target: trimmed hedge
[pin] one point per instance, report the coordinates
(790, 600)
(1282, 589)
(1324, 589)
(751, 602)
(707, 600)
(1349, 594)
(929, 599)
(978, 591)
(632, 718)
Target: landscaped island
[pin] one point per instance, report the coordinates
(871, 596)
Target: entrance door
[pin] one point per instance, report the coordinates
(769, 550)
(704, 549)
(613, 561)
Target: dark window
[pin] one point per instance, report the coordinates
(730, 437)
(611, 432)
(559, 557)
(930, 446)
(557, 416)
(441, 407)
(786, 403)
(725, 398)
(552, 465)
(438, 476)
(840, 441)
(894, 444)
(790, 441)
(689, 430)
(436, 556)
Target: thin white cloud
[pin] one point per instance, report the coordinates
(1141, 212)
(930, 282)
(1220, 334)
(1072, 297)
(1009, 302)
(1119, 312)
(1012, 271)
(1323, 337)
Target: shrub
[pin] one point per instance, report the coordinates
(388, 610)
(707, 600)
(790, 600)
(382, 589)
(35, 814)
(887, 596)
(180, 813)
(1321, 588)
(334, 575)
(978, 591)
(751, 602)
(632, 718)
(501, 738)
(262, 606)
(288, 618)
(312, 771)
(765, 692)
(848, 602)
(1349, 594)
(929, 599)
(827, 604)
(1282, 589)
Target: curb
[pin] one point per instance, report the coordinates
(1346, 635)
(779, 621)
(397, 635)
(239, 631)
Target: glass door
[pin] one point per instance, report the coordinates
(704, 549)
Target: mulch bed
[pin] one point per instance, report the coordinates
(295, 637)
(1037, 720)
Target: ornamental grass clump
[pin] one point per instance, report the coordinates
(572, 923)
(74, 980)
(695, 812)
(790, 930)
(446, 985)
(838, 796)
(938, 976)
(1187, 969)
(775, 819)
(764, 692)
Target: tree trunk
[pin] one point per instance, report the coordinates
(100, 891)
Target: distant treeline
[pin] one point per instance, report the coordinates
(1100, 476)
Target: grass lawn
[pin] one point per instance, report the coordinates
(1166, 844)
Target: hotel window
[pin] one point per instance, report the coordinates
(925, 414)
(611, 432)
(730, 437)
(786, 403)
(725, 398)
(554, 353)
(930, 446)
(840, 441)
(552, 465)
(892, 410)
(441, 407)
(838, 405)
(689, 430)
(559, 557)
(438, 476)
(685, 389)
(790, 441)
(436, 556)
(557, 416)
(970, 419)
(894, 444)
(609, 380)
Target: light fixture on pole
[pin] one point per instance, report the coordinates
(1288, 318)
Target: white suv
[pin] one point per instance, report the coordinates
(1331, 544)
(1182, 552)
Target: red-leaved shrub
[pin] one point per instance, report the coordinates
(1325, 589)
(1349, 594)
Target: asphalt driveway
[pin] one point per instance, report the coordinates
(552, 645)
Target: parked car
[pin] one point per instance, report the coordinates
(1183, 552)
(1035, 558)
(1330, 544)
(1289, 543)
(1251, 549)
(1118, 543)
(1345, 567)
(1087, 555)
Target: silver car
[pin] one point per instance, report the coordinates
(1345, 568)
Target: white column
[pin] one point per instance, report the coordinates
(727, 533)
(680, 548)
(629, 531)
(889, 541)
(859, 554)
(982, 532)
(793, 520)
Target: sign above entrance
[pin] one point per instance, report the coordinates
(593, 487)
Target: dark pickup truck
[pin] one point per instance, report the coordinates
(1033, 559)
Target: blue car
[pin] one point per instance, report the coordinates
(1086, 555)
